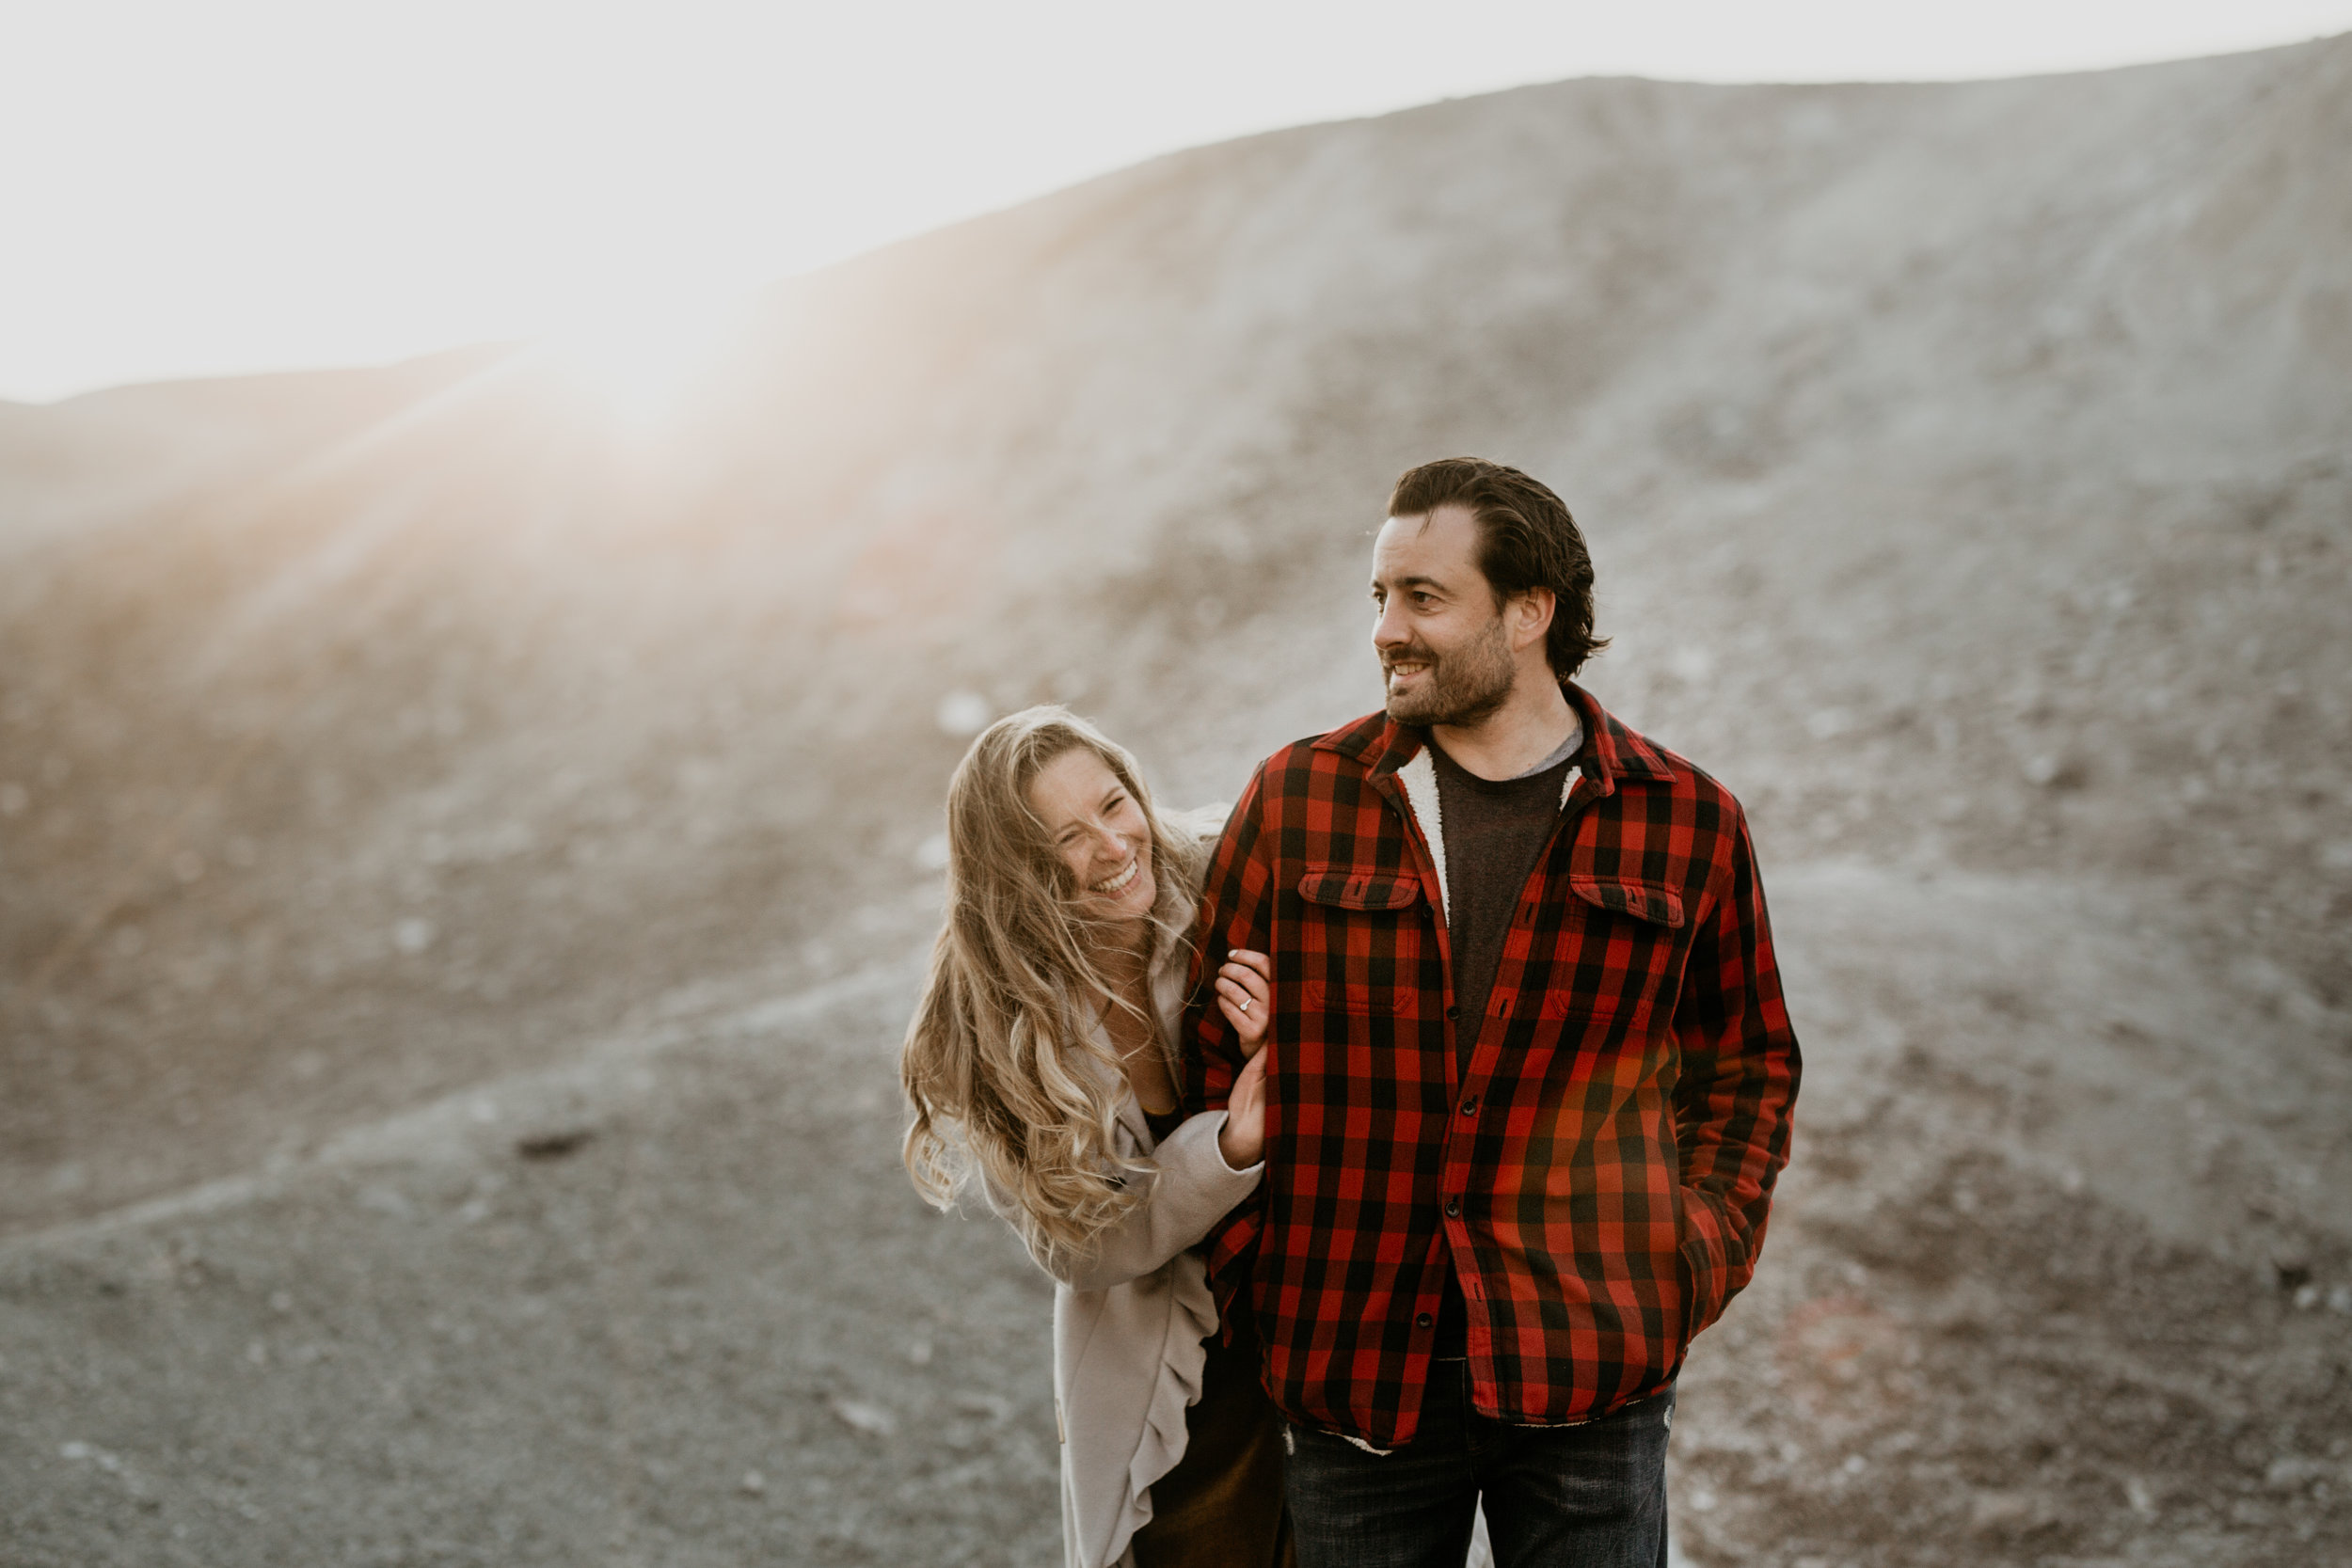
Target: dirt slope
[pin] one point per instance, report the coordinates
(1969, 470)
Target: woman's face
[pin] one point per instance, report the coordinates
(1099, 830)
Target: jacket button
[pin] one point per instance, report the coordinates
(1453, 1208)
(1424, 1320)
(1470, 1106)
(1452, 1013)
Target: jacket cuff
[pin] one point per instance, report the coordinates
(1707, 1258)
(1193, 1149)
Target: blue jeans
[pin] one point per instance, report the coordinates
(1579, 1497)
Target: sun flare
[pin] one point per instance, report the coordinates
(641, 361)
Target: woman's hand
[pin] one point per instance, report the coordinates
(1245, 992)
(1243, 1140)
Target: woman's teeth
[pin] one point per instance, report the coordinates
(1119, 883)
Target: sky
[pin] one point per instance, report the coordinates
(257, 184)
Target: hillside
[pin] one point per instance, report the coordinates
(1969, 474)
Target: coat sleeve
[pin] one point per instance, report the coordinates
(1236, 910)
(1190, 1187)
(1737, 1089)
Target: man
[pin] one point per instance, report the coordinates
(1531, 1072)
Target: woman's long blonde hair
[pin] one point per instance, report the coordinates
(1001, 1063)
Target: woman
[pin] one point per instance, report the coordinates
(1043, 1056)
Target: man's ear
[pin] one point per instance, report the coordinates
(1531, 616)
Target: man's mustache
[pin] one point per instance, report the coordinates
(1415, 653)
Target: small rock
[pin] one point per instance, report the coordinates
(753, 1484)
(386, 1201)
(76, 1450)
(555, 1145)
(2340, 1299)
(865, 1416)
(2000, 1511)
(2293, 1473)
(2306, 1297)
(1691, 663)
(414, 934)
(962, 713)
(2050, 771)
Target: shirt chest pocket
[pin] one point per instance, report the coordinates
(1620, 944)
(1362, 940)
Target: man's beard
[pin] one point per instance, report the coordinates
(1461, 689)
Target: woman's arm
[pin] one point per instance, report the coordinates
(1191, 1189)
(1209, 1163)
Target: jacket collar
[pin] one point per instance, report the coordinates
(1617, 754)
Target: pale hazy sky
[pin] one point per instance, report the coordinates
(239, 185)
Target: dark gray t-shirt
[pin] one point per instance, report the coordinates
(1493, 831)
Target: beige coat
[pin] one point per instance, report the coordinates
(1127, 1333)
(1128, 1323)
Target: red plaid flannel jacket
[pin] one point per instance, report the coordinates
(1599, 1174)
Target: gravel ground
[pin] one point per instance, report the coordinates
(674, 1304)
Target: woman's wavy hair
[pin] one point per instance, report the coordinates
(1000, 1063)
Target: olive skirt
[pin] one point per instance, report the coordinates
(1222, 1506)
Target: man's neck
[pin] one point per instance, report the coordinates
(1525, 730)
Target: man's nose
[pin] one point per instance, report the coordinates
(1389, 632)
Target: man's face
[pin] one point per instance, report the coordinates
(1442, 641)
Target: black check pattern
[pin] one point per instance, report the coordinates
(1601, 1172)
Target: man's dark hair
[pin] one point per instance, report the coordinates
(1526, 539)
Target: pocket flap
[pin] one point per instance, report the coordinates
(1657, 905)
(1346, 887)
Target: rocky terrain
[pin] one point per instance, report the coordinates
(465, 853)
